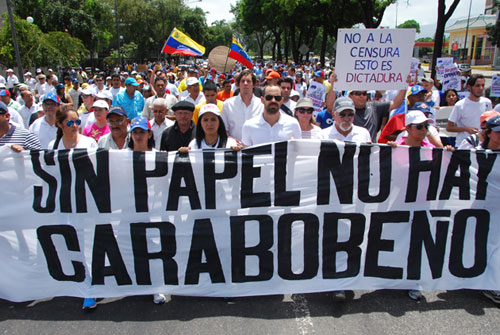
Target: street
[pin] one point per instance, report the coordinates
(374, 312)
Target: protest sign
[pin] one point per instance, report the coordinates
(441, 64)
(373, 59)
(317, 93)
(289, 217)
(414, 68)
(495, 86)
(451, 77)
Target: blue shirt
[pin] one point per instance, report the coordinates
(133, 106)
(325, 119)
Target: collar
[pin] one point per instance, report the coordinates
(11, 130)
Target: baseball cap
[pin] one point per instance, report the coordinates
(344, 103)
(4, 93)
(416, 89)
(9, 70)
(59, 86)
(319, 73)
(494, 123)
(52, 96)
(100, 104)
(273, 74)
(140, 122)
(304, 103)
(28, 74)
(184, 105)
(421, 106)
(191, 81)
(105, 94)
(3, 108)
(131, 81)
(209, 108)
(213, 69)
(416, 117)
(88, 91)
(118, 110)
(294, 93)
(488, 115)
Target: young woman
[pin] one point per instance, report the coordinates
(450, 98)
(304, 114)
(100, 127)
(63, 96)
(68, 135)
(300, 85)
(141, 135)
(210, 131)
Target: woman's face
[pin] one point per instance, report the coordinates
(304, 115)
(70, 124)
(451, 98)
(210, 123)
(418, 131)
(141, 137)
(100, 113)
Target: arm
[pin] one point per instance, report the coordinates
(332, 95)
(452, 127)
(400, 98)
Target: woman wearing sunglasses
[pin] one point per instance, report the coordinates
(304, 114)
(68, 134)
(417, 126)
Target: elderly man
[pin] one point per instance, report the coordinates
(343, 128)
(18, 138)
(29, 107)
(45, 127)
(182, 132)
(130, 99)
(271, 125)
(42, 88)
(159, 122)
(159, 87)
(118, 137)
(195, 96)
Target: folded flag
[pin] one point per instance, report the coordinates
(179, 43)
(239, 54)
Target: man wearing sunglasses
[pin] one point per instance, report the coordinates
(343, 128)
(45, 127)
(118, 137)
(272, 125)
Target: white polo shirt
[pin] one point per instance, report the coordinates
(158, 130)
(26, 113)
(257, 130)
(199, 99)
(357, 134)
(44, 131)
(235, 113)
(467, 113)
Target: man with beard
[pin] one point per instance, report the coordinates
(271, 125)
(343, 128)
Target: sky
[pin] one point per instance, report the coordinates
(423, 11)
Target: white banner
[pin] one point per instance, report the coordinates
(290, 217)
(373, 59)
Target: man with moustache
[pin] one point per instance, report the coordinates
(181, 133)
(271, 125)
(118, 137)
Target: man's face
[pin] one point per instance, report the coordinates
(131, 89)
(160, 87)
(427, 86)
(227, 87)
(246, 84)
(88, 100)
(183, 117)
(159, 113)
(478, 88)
(27, 96)
(50, 108)
(99, 82)
(4, 120)
(116, 82)
(286, 89)
(210, 96)
(359, 98)
(194, 90)
(344, 119)
(419, 97)
(272, 100)
(5, 99)
(118, 125)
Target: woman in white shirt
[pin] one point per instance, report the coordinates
(68, 134)
(210, 131)
(304, 114)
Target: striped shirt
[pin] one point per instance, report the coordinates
(20, 136)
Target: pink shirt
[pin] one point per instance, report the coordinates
(424, 142)
(95, 132)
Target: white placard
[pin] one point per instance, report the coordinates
(495, 86)
(451, 77)
(441, 64)
(317, 93)
(373, 59)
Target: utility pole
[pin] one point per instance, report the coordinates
(16, 46)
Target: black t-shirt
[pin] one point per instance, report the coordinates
(172, 138)
(371, 117)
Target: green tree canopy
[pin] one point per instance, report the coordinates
(410, 24)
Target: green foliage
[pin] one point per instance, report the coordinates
(127, 50)
(410, 24)
(37, 48)
(494, 30)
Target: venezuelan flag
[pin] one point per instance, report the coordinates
(179, 43)
(239, 54)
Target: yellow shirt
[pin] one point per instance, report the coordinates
(198, 107)
(182, 85)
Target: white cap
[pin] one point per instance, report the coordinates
(209, 108)
(100, 104)
(191, 81)
(294, 93)
(416, 117)
(88, 91)
(28, 74)
(9, 70)
(105, 94)
(50, 70)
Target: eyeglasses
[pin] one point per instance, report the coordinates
(359, 93)
(270, 97)
(342, 114)
(157, 111)
(50, 103)
(70, 123)
(117, 122)
(99, 80)
(420, 126)
(306, 110)
(85, 96)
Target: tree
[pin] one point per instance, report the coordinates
(373, 11)
(443, 17)
(410, 24)
(493, 30)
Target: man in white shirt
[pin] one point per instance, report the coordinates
(195, 96)
(159, 86)
(272, 125)
(159, 122)
(343, 128)
(29, 107)
(244, 106)
(42, 88)
(11, 79)
(465, 116)
(28, 79)
(45, 127)
(288, 105)
(54, 77)
(115, 84)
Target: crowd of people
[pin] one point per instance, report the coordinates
(172, 107)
